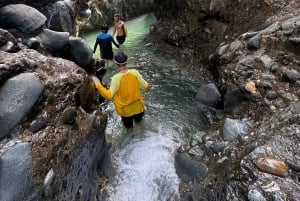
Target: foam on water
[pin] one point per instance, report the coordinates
(145, 169)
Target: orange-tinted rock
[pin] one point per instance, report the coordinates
(272, 166)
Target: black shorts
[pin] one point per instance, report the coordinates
(121, 39)
(128, 121)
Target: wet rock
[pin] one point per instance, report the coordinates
(17, 96)
(21, 19)
(295, 40)
(272, 166)
(223, 49)
(187, 168)
(219, 146)
(38, 124)
(255, 195)
(249, 63)
(54, 40)
(291, 75)
(296, 107)
(16, 181)
(80, 52)
(233, 99)
(294, 196)
(271, 95)
(233, 128)
(32, 43)
(294, 166)
(209, 95)
(207, 115)
(61, 16)
(274, 67)
(196, 151)
(265, 76)
(254, 43)
(69, 116)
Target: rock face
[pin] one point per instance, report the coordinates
(254, 64)
(56, 147)
(198, 27)
(16, 174)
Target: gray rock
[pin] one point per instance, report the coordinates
(291, 75)
(61, 16)
(81, 52)
(296, 107)
(218, 146)
(255, 195)
(209, 95)
(69, 116)
(16, 181)
(249, 63)
(22, 18)
(187, 168)
(32, 43)
(17, 96)
(255, 42)
(54, 40)
(271, 95)
(233, 128)
(38, 124)
(295, 40)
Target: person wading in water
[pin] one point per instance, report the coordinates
(105, 40)
(125, 90)
(119, 29)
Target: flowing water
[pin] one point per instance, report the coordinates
(145, 161)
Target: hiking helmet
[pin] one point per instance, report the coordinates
(104, 28)
(120, 58)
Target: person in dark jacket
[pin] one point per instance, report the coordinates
(105, 40)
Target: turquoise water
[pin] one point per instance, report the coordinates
(145, 162)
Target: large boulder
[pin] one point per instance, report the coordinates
(16, 181)
(17, 96)
(21, 19)
(54, 40)
(80, 52)
(61, 16)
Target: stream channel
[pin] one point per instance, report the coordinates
(145, 161)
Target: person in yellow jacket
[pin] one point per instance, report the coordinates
(125, 90)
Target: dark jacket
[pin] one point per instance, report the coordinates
(105, 41)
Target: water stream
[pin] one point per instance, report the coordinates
(145, 162)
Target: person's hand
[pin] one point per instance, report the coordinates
(95, 79)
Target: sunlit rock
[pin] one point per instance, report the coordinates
(250, 87)
(272, 166)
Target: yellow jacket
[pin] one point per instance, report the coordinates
(126, 93)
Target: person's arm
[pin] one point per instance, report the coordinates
(106, 93)
(114, 31)
(114, 42)
(95, 46)
(143, 83)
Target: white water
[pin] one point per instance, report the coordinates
(145, 169)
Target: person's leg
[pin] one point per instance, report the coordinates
(138, 122)
(128, 122)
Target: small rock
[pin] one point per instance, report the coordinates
(250, 87)
(272, 166)
(69, 116)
